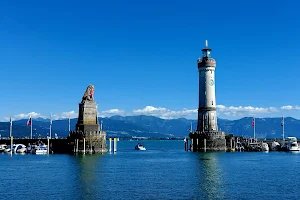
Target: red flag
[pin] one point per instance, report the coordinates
(253, 121)
(29, 122)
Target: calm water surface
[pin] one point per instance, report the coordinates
(164, 171)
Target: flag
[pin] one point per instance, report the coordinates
(253, 121)
(29, 121)
(282, 121)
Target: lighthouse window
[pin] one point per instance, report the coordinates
(210, 71)
(205, 92)
(212, 103)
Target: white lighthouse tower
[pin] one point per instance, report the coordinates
(207, 113)
(207, 136)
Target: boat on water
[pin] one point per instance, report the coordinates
(8, 149)
(3, 147)
(275, 146)
(40, 149)
(290, 144)
(19, 148)
(140, 146)
(265, 146)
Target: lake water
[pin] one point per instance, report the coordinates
(164, 171)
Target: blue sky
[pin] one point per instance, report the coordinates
(143, 53)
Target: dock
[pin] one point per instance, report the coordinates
(57, 146)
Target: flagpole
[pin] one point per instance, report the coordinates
(254, 127)
(10, 128)
(30, 127)
(282, 127)
(69, 124)
(11, 138)
(50, 131)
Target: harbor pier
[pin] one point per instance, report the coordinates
(55, 145)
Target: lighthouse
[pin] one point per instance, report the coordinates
(207, 136)
(207, 112)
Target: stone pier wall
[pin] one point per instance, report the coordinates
(95, 142)
(209, 141)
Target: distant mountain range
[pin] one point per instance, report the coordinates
(149, 126)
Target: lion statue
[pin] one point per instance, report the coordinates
(89, 93)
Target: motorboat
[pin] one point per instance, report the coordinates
(19, 148)
(264, 146)
(8, 149)
(275, 146)
(40, 149)
(290, 144)
(140, 146)
(3, 147)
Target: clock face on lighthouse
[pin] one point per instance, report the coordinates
(211, 82)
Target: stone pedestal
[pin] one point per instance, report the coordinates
(207, 141)
(88, 128)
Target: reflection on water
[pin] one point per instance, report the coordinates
(88, 180)
(211, 184)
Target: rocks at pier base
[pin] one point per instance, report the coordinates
(207, 141)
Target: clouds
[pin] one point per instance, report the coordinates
(243, 111)
(289, 107)
(23, 116)
(165, 113)
(111, 112)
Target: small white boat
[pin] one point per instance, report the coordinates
(41, 149)
(139, 146)
(19, 148)
(3, 147)
(275, 146)
(7, 150)
(290, 144)
(264, 146)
